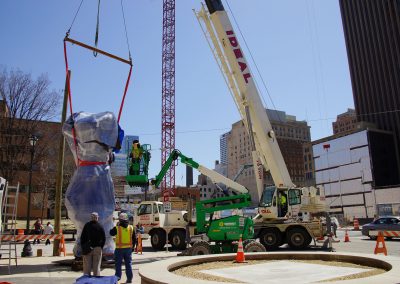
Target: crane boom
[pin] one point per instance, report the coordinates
(242, 86)
(213, 175)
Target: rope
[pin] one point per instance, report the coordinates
(126, 32)
(96, 38)
(73, 21)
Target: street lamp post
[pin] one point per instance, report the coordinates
(32, 140)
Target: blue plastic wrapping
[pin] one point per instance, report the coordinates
(97, 280)
(91, 188)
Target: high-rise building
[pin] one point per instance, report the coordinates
(223, 148)
(291, 135)
(372, 34)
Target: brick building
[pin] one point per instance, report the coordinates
(291, 135)
(345, 122)
(15, 157)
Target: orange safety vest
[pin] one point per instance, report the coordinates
(124, 237)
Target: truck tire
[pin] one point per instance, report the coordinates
(271, 238)
(177, 239)
(298, 238)
(254, 247)
(246, 242)
(158, 240)
(200, 248)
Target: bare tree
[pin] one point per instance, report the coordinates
(27, 103)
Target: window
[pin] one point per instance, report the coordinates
(144, 209)
(294, 196)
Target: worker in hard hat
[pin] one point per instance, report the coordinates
(283, 204)
(136, 156)
(124, 240)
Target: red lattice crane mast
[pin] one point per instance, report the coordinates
(168, 95)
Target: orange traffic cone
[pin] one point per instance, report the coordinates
(380, 239)
(356, 225)
(240, 253)
(346, 237)
(139, 244)
(62, 249)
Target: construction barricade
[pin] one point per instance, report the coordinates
(388, 234)
(16, 238)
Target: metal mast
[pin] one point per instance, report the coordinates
(168, 95)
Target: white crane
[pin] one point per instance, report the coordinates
(266, 154)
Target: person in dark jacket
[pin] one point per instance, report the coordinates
(124, 241)
(93, 239)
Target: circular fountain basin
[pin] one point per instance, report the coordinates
(276, 267)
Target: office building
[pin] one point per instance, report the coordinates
(223, 148)
(372, 34)
(291, 135)
(356, 172)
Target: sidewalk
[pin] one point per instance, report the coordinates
(45, 269)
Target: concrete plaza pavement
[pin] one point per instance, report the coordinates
(45, 269)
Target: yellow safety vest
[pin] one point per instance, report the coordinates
(124, 237)
(136, 151)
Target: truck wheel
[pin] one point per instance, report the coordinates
(254, 247)
(271, 238)
(200, 248)
(246, 242)
(177, 239)
(298, 238)
(158, 240)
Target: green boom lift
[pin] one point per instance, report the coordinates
(216, 235)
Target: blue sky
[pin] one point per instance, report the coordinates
(298, 46)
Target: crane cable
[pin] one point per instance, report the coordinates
(95, 52)
(96, 37)
(76, 14)
(126, 31)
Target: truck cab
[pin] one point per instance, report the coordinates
(161, 225)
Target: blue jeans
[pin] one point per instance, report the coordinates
(126, 255)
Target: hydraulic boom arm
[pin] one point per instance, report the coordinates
(213, 175)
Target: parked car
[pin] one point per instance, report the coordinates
(387, 223)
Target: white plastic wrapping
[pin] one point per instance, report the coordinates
(91, 188)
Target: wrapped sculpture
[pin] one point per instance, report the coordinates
(91, 188)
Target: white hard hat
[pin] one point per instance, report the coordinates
(123, 217)
(94, 215)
